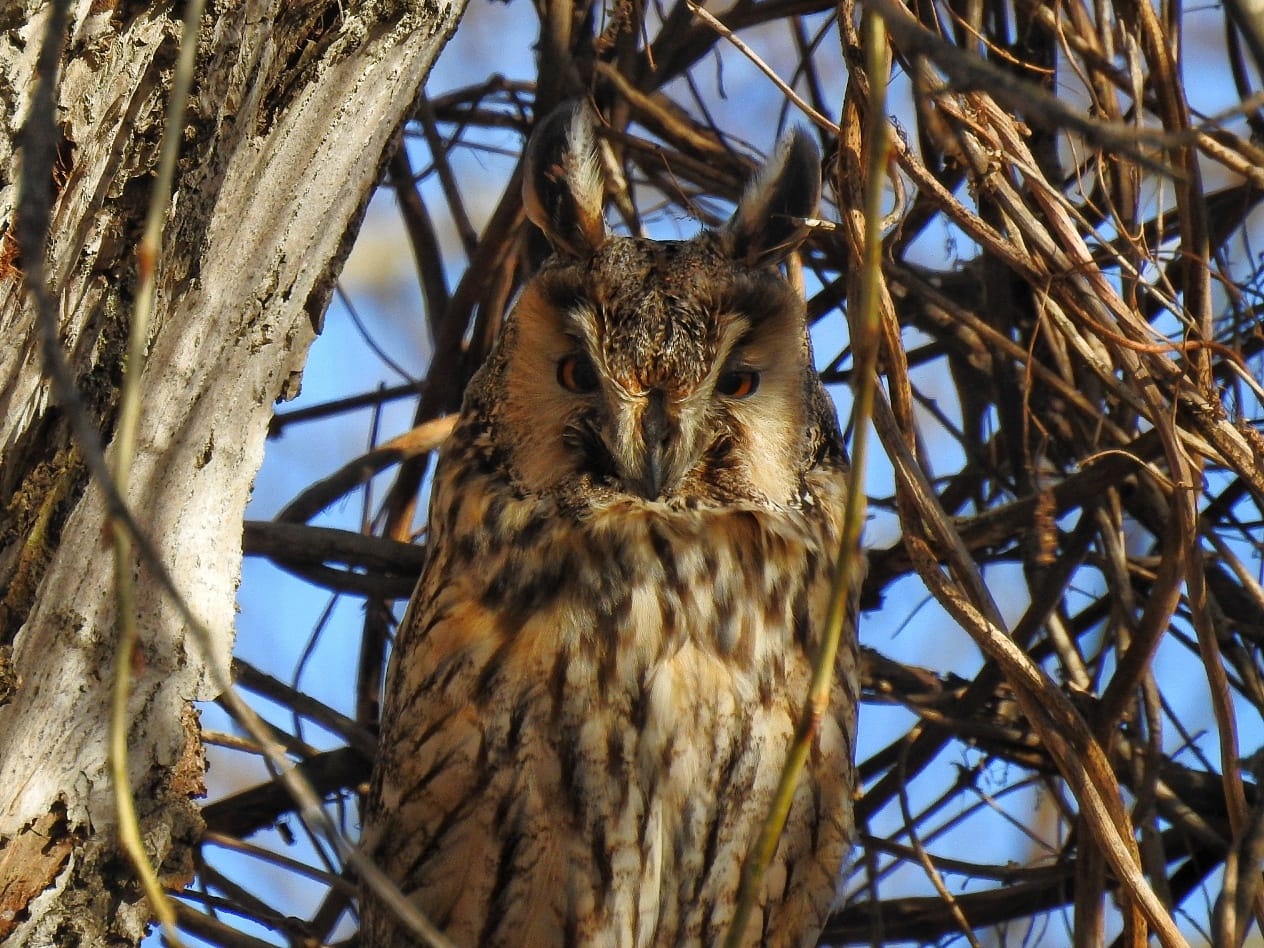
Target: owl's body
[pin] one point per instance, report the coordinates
(630, 542)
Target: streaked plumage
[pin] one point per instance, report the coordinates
(630, 539)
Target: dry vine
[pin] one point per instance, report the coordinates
(1071, 416)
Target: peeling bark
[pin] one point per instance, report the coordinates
(294, 109)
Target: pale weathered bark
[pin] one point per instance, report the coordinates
(293, 109)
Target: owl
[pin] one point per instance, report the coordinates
(630, 541)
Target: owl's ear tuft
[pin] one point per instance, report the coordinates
(562, 185)
(770, 220)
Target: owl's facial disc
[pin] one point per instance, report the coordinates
(657, 371)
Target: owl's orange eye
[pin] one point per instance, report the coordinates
(575, 373)
(739, 383)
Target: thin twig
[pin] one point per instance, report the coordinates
(821, 121)
(847, 564)
(147, 257)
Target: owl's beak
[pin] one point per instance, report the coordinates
(657, 432)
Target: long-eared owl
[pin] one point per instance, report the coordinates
(630, 543)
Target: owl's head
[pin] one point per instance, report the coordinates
(659, 370)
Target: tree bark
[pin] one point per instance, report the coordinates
(294, 109)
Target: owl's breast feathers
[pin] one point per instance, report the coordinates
(591, 709)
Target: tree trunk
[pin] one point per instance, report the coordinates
(293, 111)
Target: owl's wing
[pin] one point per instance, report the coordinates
(461, 812)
